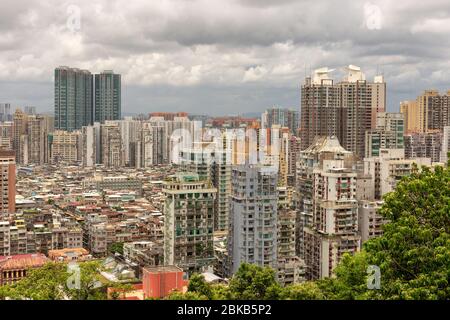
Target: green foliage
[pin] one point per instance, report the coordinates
(120, 289)
(44, 283)
(414, 252)
(116, 247)
(52, 282)
(254, 283)
(198, 284)
(302, 291)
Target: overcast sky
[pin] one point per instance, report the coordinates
(221, 57)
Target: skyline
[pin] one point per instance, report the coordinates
(244, 58)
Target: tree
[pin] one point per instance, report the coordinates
(302, 291)
(90, 285)
(198, 284)
(116, 247)
(120, 290)
(54, 281)
(43, 283)
(252, 282)
(413, 254)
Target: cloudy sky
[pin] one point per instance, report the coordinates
(221, 57)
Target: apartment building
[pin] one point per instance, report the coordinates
(388, 169)
(253, 216)
(7, 182)
(424, 145)
(112, 152)
(346, 109)
(387, 135)
(370, 221)
(188, 221)
(290, 268)
(328, 221)
(65, 147)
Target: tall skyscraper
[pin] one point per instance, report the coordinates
(108, 96)
(434, 111)
(30, 110)
(20, 141)
(188, 222)
(7, 182)
(284, 117)
(328, 208)
(73, 98)
(38, 148)
(210, 161)
(345, 109)
(5, 112)
(445, 149)
(253, 216)
(411, 114)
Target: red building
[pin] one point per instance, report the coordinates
(159, 281)
(14, 268)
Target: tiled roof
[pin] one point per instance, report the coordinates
(22, 261)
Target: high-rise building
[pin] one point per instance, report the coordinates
(346, 109)
(288, 118)
(112, 154)
(38, 147)
(370, 221)
(73, 98)
(211, 162)
(434, 111)
(389, 167)
(7, 183)
(65, 147)
(387, 135)
(108, 96)
(291, 269)
(188, 222)
(253, 216)
(410, 110)
(30, 110)
(5, 112)
(293, 153)
(90, 148)
(429, 112)
(445, 149)
(20, 141)
(328, 208)
(7, 135)
(424, 145)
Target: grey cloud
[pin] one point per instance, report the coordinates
(220, 56)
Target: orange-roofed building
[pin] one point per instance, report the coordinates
(14, 268)
(69, 254)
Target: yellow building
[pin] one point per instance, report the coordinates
(411, 113)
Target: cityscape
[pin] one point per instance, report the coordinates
(342, 196)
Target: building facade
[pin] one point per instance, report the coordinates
(74, 104)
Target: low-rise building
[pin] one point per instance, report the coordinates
(14, 268)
